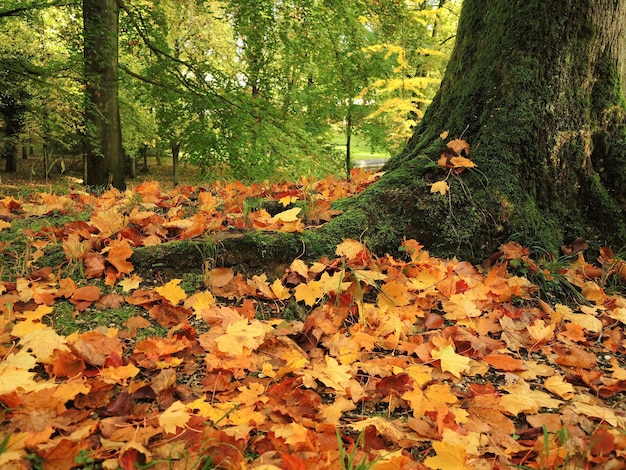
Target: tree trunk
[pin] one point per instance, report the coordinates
(534, 88)
(143, 154)
(10, 154)
(175, 153)
(12, 109)
(348, 146)
(103, 145)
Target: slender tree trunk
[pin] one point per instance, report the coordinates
(175, 154)
(143, 154)
(103, 143)
(348, 146)
(534, 88)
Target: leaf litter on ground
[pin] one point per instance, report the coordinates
(413, 362)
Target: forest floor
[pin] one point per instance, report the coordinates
(110, 358)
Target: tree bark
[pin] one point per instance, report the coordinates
(103, 143)
(534, 88)
(12, 109)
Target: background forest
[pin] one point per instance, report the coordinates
(245, 89)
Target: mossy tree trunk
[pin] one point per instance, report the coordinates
(103, 143)
(534, 88)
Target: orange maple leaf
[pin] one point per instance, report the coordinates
(118, 253)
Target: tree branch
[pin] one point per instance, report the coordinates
(36, 6)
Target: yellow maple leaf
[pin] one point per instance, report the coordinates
(351, 249)
(109, 221)
(290, 215)
(557, 385)
(593, 292)
(331, 413)
(440, 187)
(176, 416)
(240, 335)
(459, 145)
(15, 372)
(521, 398)
(450, 360)
(420, 373)
(172, 291)
(200, 301)
(462, 162)
(119, 374)
(393, 294)
(286, 200)
(43, 342)
(4, 225)
(334, 283)
(460, 307)
(310, 292)
(619, 314)
(292, 433)
(586, 320)
(332, 374)
(295, 361)
(540, 332)
(130, 283)
(600, 412)
(300, 267)
(450, 456)
(279, 290)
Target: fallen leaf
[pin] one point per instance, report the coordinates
(240, 335)
(172, 291)
(440, 187)
(450, 360)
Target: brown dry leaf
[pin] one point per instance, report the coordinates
(87, 293)
(94, 347)
(220, 277)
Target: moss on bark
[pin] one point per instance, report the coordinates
(535, 90)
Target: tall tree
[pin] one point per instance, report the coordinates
(103, 143)
(534, 88)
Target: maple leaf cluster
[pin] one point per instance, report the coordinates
(412, 363)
